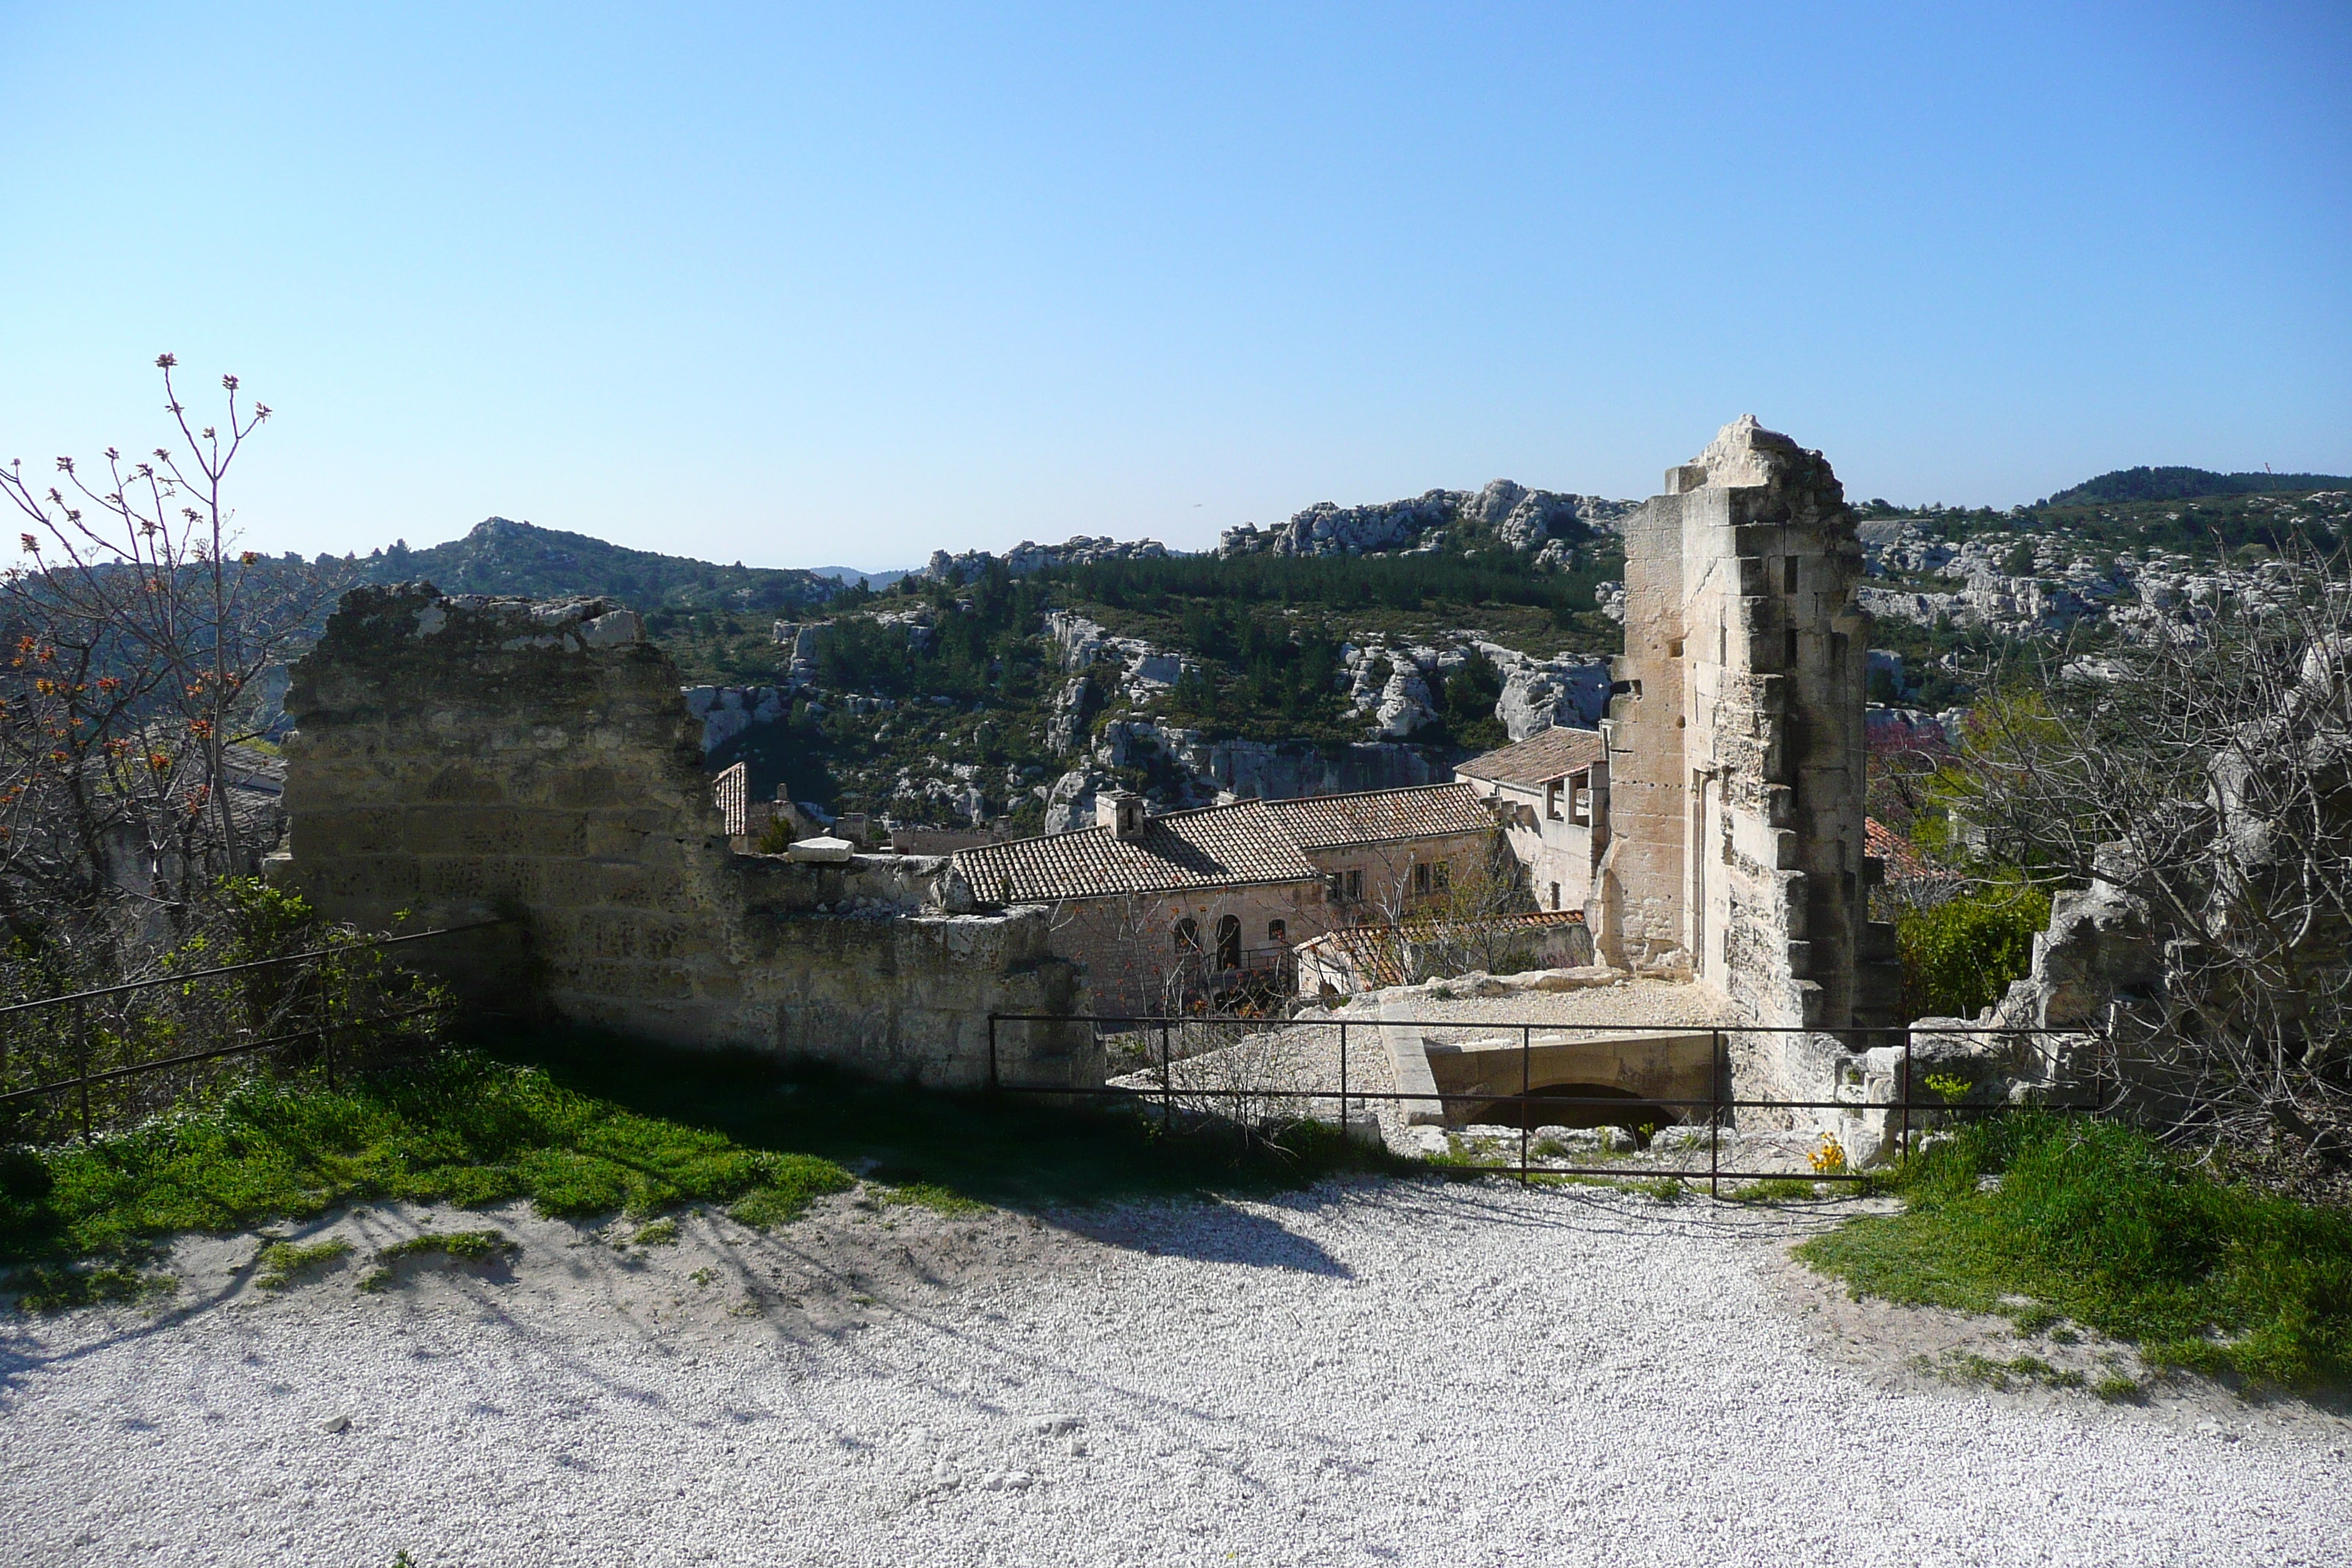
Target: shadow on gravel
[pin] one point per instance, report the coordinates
(1238, 1235)
(1006, 1151)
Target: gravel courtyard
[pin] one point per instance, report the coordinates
(1371, 1372)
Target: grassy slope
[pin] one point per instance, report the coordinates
(2097, 1223)
(579, 1125)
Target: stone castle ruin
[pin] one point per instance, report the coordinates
(462, 757)
(1736, 755)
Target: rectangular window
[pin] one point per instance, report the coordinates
(1443, 874)
(1788, 646)
(1555, 895)
(1421, 879)
(1837, 654)
(1551, 800)
(1788, 574)
(1356, 885)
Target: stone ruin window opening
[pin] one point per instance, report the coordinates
(1787, 575)
(1580, 799)
(1788, 646)
(1229, 943)
(1837, 654)
(1555, 895)
(1551, 800)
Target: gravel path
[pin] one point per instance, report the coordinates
(1408, 1372)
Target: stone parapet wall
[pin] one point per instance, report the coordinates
(462, 757)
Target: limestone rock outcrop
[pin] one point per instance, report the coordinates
(1028, 557)
(1504, 513)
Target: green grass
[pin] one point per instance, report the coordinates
(468, 1245)
(1967, 1366)
(1777, 1190)
(281, 1261)
(582, 1125)
(932, 1196)
(2098, 1224)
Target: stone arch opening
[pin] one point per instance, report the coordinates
(1624, 1108)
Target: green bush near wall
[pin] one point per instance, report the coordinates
(1959, 956)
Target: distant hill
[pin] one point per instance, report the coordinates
(500, 556)
(2182, 484)
(877, 581)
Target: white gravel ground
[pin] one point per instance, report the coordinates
(1408, 1372)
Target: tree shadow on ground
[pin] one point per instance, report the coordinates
(1007, 1150)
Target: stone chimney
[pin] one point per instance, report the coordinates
(1120, 811)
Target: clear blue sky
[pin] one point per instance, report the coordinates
(843, 284)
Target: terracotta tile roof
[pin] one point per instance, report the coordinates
(1903, 864)
(1542, 757)
(1217, 845)
(1380, 815)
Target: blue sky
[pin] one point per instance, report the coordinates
(841, 285)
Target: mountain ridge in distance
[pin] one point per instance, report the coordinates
(499, 555)
(2146, 484)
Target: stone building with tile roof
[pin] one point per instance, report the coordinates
(1550, 792)
(1165, 910)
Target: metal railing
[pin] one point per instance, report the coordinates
(1719, 1106)
(325, 1033)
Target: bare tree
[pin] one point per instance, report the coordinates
(2197, 772)
(1459, 923)
(137, 632)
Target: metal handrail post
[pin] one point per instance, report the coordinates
(1526, 1039)
(81, 1058)
(1718, 1063)
(1910, 1074)
(1167, 1086)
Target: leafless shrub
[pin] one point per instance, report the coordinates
(2201, 768)
(136, 633)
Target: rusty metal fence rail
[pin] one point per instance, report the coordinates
(76, 1004)
(1718, 1107)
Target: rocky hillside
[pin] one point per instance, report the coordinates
(500, 556)
(1349, 648)
(1543, 524)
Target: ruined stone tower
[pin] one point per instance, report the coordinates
(1735, 742)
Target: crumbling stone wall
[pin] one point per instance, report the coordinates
(1737, 755)
(462, 756)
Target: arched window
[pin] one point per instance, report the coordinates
(1188, 936)
(1278, 933)
(1229, 943)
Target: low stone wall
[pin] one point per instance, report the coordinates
(460, 757)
